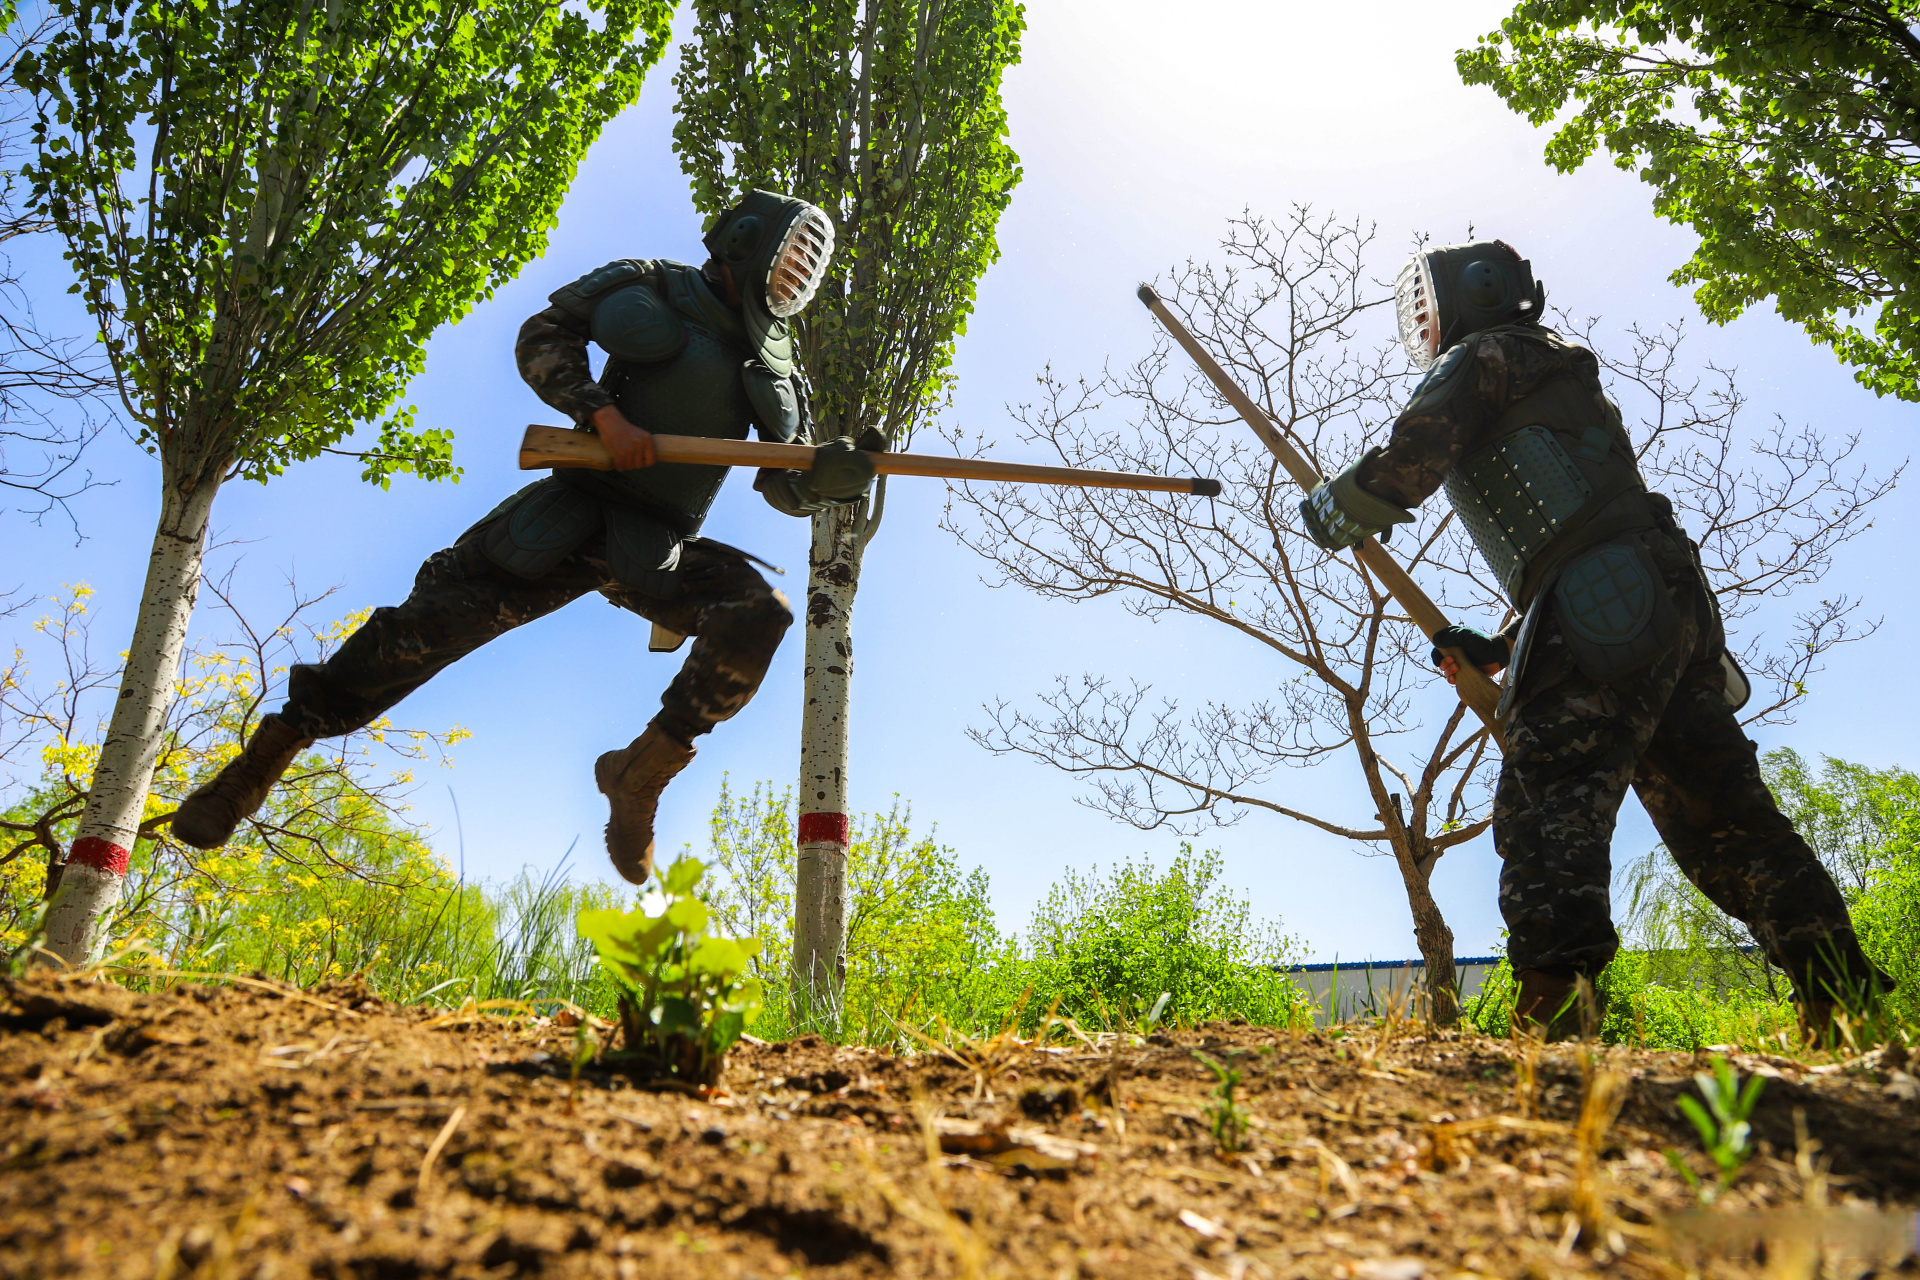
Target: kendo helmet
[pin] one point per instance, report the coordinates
(777, 248)
(1444, 294)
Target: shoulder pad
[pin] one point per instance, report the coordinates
(1448, 372)
(635, 323)
(579, 298)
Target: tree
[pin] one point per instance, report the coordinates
(50, 384)
(268, 206)
(887, 115)
(922, 946)
(315, 883)
(1296, 318)
(1787, 134)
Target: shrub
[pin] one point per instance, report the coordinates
(1106, 949)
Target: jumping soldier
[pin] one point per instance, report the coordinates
(1620, 673)
(698, 352)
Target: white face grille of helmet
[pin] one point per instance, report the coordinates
(1413, 302)
(800, 263)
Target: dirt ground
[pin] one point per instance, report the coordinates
(256, 1133)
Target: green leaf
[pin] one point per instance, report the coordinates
(1702, 1122)
(717, 957)
(688, 915)
(683, 875)
(676, 1014)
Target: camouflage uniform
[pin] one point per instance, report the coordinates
(1574, 745)
(461, 598)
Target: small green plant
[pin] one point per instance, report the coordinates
(1722, 1123)
(685, 994)
(1225, 1117)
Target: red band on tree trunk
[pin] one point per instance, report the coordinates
(101, 855)
(822, 828)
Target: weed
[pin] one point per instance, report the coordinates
(685, 994)
(1722, 1122)
(1600, 1104)
(1225, 1117)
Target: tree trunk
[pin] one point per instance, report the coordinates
(1430, 931)
(820, 890)
(97, 863)
(1436, 944)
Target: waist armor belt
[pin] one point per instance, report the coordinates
(1515, 496)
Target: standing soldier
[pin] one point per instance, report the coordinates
(706, 352)
(1619, 674)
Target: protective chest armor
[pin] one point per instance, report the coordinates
(680, 362)
(1555, 475)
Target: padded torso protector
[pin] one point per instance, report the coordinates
(1553, 476)
(679, 362)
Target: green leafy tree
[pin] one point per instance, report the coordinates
(1786, 134)
(318, 884)
(268, 206)
(1863, 822)
(923, 948)
(887, 114)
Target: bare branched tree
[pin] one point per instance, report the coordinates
(1298, 317)
(53, 388)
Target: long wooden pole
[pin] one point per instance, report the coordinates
(558, 447)
(1476, 690)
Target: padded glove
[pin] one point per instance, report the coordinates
(1481, 649)
(1340, 514)
(838, 468)
(841, 472)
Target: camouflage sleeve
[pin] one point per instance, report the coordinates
(1462, 396)
(552, 354)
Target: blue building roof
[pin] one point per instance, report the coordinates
(1388, 964)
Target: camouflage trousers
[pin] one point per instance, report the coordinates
(1575, 745)
(461, 600)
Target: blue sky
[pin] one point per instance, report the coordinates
(1140, 132)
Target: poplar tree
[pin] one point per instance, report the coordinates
(886, 114)
(268, 206)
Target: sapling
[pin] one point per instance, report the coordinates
(685, 994)
(1225, 1117)
(1722, 1123)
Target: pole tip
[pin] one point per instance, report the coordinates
(1146, 295)
(1205, 488)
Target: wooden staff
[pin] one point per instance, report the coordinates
(1476, 689)
(558, 447)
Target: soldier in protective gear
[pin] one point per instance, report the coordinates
(1619, 673)
(700, 352)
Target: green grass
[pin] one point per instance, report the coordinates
(1127, 948)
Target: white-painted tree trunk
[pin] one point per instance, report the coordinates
(820, 890)
(97, 863)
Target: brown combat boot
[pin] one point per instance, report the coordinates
(1548, 1005)
(206, 818)
(632, 781)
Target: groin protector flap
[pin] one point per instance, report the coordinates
(642, 552)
